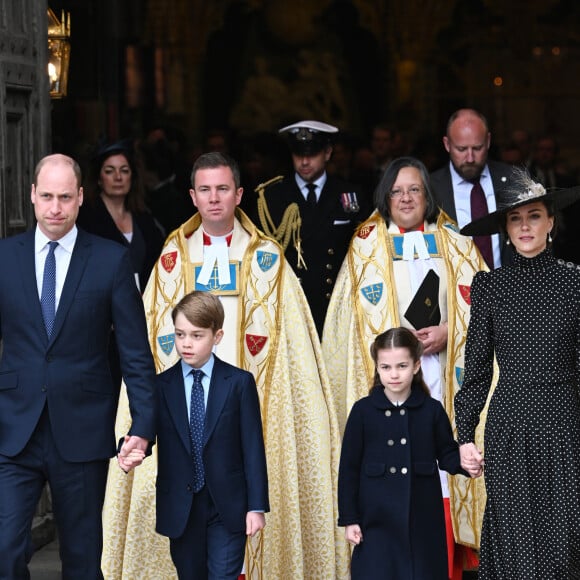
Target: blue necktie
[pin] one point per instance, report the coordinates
(48, 294)
(196, 422)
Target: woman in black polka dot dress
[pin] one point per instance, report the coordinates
(528, 315)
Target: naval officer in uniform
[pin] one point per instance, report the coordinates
(310, 213)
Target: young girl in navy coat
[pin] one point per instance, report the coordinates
(389, 492)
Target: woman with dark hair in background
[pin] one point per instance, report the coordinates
(114, 209)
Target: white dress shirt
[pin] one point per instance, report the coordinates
(302, 185)
(62, 256)
(186, 369)
(462, 196)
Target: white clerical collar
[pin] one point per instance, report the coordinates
(414, 242)
(225, 239)
(215, 254)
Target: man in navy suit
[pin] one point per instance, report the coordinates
(61, 291)
(207, 507)
(467, 141)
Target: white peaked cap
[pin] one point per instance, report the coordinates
(312, 125)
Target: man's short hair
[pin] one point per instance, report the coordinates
(215, 160)
(57, 158)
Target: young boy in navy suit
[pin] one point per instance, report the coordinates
(208, 507)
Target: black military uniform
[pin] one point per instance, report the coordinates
(314, 234)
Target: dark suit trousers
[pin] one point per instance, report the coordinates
(207, 550)
(77, 490)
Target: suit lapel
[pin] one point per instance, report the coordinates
(327, 195)
(173, 391)
(219, 390)
(27, 265)
(448, 194)
(76, 268)
(499, 180)
(297, 195)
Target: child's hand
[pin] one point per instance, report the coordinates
(130, 460)
(353, 534)
(255, 521)
(471, 459)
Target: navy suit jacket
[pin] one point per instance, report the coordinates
(233, 449)
(70, 371)
(502, 178)
(326, 231)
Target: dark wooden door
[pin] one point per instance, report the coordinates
(24, 139)
(24, 107)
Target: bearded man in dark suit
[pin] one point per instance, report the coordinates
(467, 141)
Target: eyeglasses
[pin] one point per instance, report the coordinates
(414, 191)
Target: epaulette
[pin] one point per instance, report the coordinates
(265, 184)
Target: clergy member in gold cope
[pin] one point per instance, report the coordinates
(269, 331)
(407, 265)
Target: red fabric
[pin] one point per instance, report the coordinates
(479, 210)
(207, 239)
(458, 557)
(471, 559)
(421, 228)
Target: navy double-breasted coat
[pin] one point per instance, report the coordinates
(389, 484)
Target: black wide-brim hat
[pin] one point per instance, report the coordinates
(527, 192)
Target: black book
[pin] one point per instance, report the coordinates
(424, 308)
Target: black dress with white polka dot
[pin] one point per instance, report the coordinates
(528, 316)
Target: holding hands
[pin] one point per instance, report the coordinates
(132, 452)
(471, 459)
